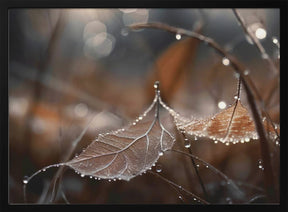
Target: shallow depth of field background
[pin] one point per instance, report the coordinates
(67, 65)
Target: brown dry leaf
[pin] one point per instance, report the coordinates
(172, 66)
(127, 152)
(232, 125)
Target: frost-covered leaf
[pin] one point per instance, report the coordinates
(232, 125)
(127, 152)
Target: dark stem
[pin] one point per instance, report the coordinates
(197, 172)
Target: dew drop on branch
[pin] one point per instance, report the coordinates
(158, 168)
(178, 36)
(246, 72)
(25, 179)
(225, 61)
(187, 143)
(260, 33)
(274, 40)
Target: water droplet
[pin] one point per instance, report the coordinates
(25, 179)
(207, 167)
(178, 36)
(222, 105)
(180, 197)
(198, 165)
(260, 33)
(43, 170)
(246, 72)
(91, 177)
(275, 40)
(82, 175)
(236, 97)
(140, 118)
(225, 61)
(187, 143)
(158, 168)
(260, 165)
(156, 85)
(161, 153)
(195, 138)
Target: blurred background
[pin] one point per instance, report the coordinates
(68, 65)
